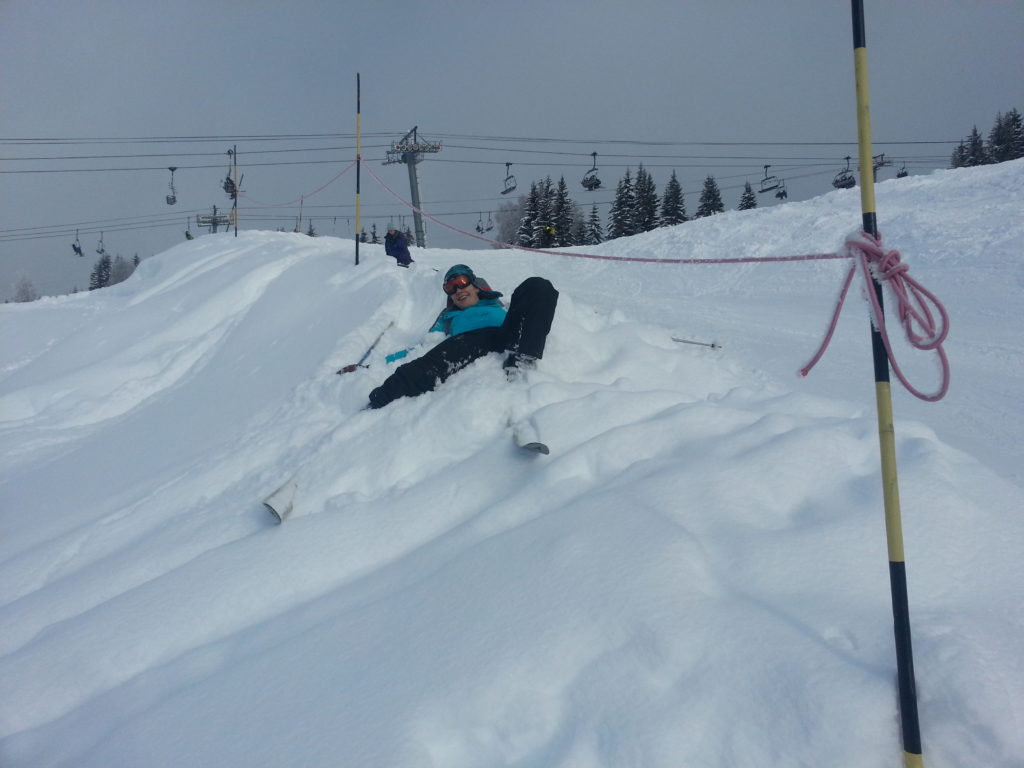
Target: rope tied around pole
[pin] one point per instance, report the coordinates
(915, 305)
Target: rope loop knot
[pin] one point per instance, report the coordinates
(923, 317)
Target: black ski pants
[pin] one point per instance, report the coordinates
(524, 332)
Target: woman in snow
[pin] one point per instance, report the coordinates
(475, 324)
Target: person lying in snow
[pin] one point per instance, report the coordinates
(475, 323)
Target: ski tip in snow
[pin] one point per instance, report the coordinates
(536, 448)
(274, 512)
(280, 502)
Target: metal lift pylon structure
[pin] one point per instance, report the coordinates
(410, 150)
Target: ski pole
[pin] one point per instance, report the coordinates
(366, 354)
(713, 344)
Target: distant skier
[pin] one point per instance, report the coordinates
(396, 244)
(475, 324)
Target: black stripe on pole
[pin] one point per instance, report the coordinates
(904, 659)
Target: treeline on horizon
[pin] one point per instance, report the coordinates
(1005, 142)
(548, 217)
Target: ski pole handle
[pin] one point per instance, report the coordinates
(352, 368)
(366, 354)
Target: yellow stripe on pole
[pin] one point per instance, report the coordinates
(890, 480)
(867, 171)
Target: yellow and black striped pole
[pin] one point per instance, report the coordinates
(886, 433)
(359, 156)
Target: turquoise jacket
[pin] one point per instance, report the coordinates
(486, 313)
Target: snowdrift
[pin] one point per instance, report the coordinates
(695, 576)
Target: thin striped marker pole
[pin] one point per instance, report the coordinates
(886, 433)
(359, 155)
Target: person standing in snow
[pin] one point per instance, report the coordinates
(475, 323)
(396, 244)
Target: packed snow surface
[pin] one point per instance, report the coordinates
(696, 576)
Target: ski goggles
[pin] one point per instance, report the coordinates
(457, 282)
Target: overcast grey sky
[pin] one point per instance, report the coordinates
(651, 81)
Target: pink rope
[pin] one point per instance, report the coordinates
(741, 260)
(321, 188)
(912, 298)
(914, 305)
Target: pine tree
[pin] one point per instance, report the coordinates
(646, 216)
(710, 199)
(976, 154)
(959, 157)
(593, 231)
(544, 223)
(524, 235)
(563, 215)
(747, 200)
(579, 230)
(374, 238)
(621, 221)
(673, 206)
(312, 232)
(1015, 134)
(100, 276)
(1006, 139)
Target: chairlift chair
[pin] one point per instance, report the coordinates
(510, 180)
(768, 183)
(845, 178)
(172, 198)
(480, 224)
(490, 224)
(77, 246)
(902, 172)
(781, 193)
(590, 181)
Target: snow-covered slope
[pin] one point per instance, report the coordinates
(695, 576)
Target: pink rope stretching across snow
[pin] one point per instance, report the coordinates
(639, 259)
(914, 303)
(912, 298)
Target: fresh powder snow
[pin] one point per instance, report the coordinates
(697, 574)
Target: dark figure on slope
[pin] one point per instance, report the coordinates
(475, 324)
(396, 244)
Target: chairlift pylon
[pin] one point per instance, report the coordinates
(590, 181)
(878, 161)
(768, 183)
(845, 178)
(510, 180)
(172, 198)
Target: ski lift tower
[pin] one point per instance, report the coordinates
(410, 150)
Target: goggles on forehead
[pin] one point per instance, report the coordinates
(457, 282)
